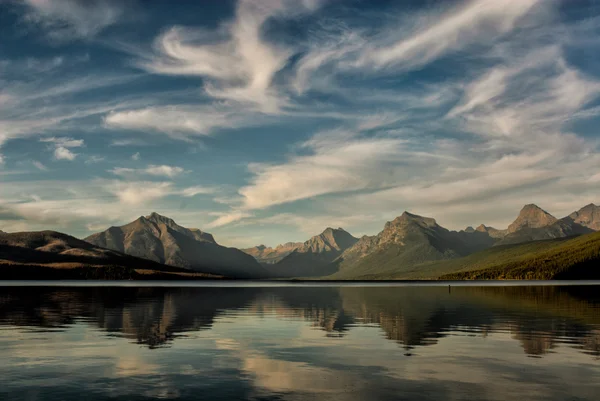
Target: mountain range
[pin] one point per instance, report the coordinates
(410, 241)
(54, 255)
(160, 239)
(409, 246)
(315, 256)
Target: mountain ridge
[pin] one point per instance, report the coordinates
(54, 255)
(315, 255)
(160, 239)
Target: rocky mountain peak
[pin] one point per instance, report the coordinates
(531, 216)
(482, 228)
(158, 219)
(408, 218)
(469, 229)
(289, 246)
(330, 239)
(588, 216)
(491, 231)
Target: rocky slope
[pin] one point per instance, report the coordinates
(160, 239)
(314, 257)
(588, 216)
(269, 255)
(534, 224)
(531, 216)
(406, 241)
(50, 254)
(491, 231)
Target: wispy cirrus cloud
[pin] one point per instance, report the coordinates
(138, 192)
(197, 190)
(238, 62)
(155, 170)
(65, 20)
(227, 218)
(176, 121)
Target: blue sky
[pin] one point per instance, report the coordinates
(266, 121)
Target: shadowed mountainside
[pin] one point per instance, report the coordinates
(314, 257)
(161, 240)
(53, 255)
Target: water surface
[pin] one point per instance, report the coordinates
(300, 342)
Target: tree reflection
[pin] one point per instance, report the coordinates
(540, 318)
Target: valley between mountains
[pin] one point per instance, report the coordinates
(536, 245)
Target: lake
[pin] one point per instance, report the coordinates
(277, 342)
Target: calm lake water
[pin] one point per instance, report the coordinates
(298, 343)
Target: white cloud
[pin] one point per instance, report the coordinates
(94, 159)
(62, 145)
(239, 64)
(138, 192)
(62, 153)
(227, 218)
(1, 159)
(135, 156)
(165, 171)
(40, 166)
(159, 171)
(478, 21)
(64, 142)
(197, 190)
(126, 142)
(65, 20)
(335, 165)
(180, 121)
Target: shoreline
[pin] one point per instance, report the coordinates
(292, 283)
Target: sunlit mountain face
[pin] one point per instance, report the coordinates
(297, 342)
(264, 122)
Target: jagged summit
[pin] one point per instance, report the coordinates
(482, 228)
(157, 218)
(491, 231)
(160, 239)
(407, 218)
(330, 239)
(268, 255)
(531, 216)
(588, 216)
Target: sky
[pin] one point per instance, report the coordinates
(266, 121)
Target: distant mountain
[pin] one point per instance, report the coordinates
(54, 255)
(534, 223)
(588, 216)
(160, 239)
(314, 257)
(269, 255)
(491, 231)
(531, 216)
(562, 228)
(406, 241)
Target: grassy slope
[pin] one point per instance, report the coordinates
(383, 263)
(577, 258)
(385, 266)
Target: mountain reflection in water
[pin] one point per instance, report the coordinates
(297, 342)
